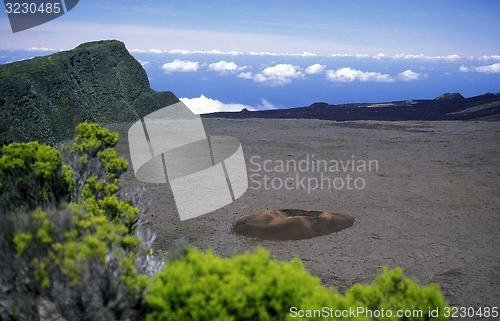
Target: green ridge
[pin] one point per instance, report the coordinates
(44, 98)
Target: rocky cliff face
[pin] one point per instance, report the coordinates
(44, 98)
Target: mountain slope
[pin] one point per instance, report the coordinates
(44, 98)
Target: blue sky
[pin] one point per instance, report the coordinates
(273, 54)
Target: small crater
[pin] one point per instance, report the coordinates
(291, 224)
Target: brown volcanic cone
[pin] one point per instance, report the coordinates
(291, 224)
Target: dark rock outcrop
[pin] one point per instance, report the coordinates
(44, 98)
(450, 97)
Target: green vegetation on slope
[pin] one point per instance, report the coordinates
(44, 98)
(67, 236)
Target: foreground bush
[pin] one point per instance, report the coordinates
(33, 175)
(67, 239)
(254, 287)
(391, 291)
(246, 287)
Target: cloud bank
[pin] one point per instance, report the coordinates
(379, 56)
(205, 105)
(487, 69)
(347, 74)
(282, 74)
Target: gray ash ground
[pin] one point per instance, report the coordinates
(432, 207)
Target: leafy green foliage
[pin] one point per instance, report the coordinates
(44, 98)
(203, 286)
(246, 287)
(392, 291)
(69, 230)
(97, 189)
(92, 138)
(33, 175)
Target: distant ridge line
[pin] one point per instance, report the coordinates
(449, 106)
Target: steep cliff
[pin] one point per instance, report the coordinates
(44, 98)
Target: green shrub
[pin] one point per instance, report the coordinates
(81, 263)
(67, 235)
(245, 287)
(254, 287)
(33, 175)
(392, 291)
(92, 138)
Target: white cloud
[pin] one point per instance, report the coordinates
(224, 67)
(452, 58)
(379, 56)
(449, 57)
(314, 69)
(409, 75)
(204, 105)
(488, 69)
(278, 75)
(282, 54)
(245, 75)
(181, 66)
(43, 49)
(203, 52)
(263, 53)
(233, 53)
(349, 75)
(306, 54)
(490, 57)
(179, 52)
(403, 56)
